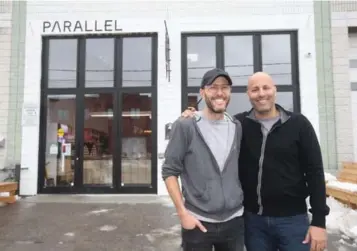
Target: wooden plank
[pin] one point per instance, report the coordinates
(11, 188)
(347, 196)
(8, 199)
(347, 178)
(349, 165)
(8, 186)
(348, 172)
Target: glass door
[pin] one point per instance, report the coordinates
(60, 154)
(137, 120)
(98, 146)
(99, 114)
(136, 140)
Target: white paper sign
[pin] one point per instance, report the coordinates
(67, 151)
(30, 115)
(54, 149)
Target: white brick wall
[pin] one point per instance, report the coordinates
(346, 147)
(353, 78)
(182, 16)
(5, 56)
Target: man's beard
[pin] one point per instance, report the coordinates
(212, 109)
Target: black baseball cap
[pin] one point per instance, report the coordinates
(211, 75)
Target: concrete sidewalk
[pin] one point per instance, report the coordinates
(98, 223)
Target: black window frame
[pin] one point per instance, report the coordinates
(80, 90)
(257, 60)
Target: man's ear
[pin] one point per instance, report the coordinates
(202, 92)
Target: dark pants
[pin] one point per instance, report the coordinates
(264, 233)
(225, 236)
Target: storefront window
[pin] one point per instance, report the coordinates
(201, 56)
(99, 62)
(62, 68)
(60, 140)
(98, 139)
(99, 114)
(136, 147)
(137, 57)
(242, 54)
(238, 58)
(276, 56)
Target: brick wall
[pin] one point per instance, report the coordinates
(343, 15)
(342, 94)
(352, 56)
(325, 85)
(5, 60)
(16, 89)
(343, 6)
(181, 16)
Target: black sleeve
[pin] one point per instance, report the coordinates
(311, 161)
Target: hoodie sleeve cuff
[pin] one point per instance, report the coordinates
(318, 220)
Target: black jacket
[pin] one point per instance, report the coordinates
(277, 178)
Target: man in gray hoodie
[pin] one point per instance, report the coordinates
(203, 151)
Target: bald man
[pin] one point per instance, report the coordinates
(280, 165)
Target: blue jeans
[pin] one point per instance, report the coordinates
(264, 233)
(225, 236)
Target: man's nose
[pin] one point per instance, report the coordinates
(261, 93)
(219, 91)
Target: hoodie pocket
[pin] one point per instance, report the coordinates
(234, 194)
(200, 192)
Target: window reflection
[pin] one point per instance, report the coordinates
(238, 58)
(137, 56)
(276, 53)
(201, 57)
(62, 68)
(60, 140)
(98, 139)
(99, 62)
(136, 138)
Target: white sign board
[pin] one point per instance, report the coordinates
(67, 149)
(30, 115)
(54, 149)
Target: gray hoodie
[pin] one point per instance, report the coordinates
(208, 191)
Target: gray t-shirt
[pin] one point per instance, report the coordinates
(267, 124)
(219, 135)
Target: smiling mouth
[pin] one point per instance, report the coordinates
(219, 101)
(262, 101)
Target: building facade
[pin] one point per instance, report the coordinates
(344, 54)
(102, 82)
(12, 41)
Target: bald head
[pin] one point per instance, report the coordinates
(260, 77)
(261, 91)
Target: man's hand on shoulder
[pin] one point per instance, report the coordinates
(189, 112)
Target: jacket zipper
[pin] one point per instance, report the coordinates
(260, 172)
(214, 159)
